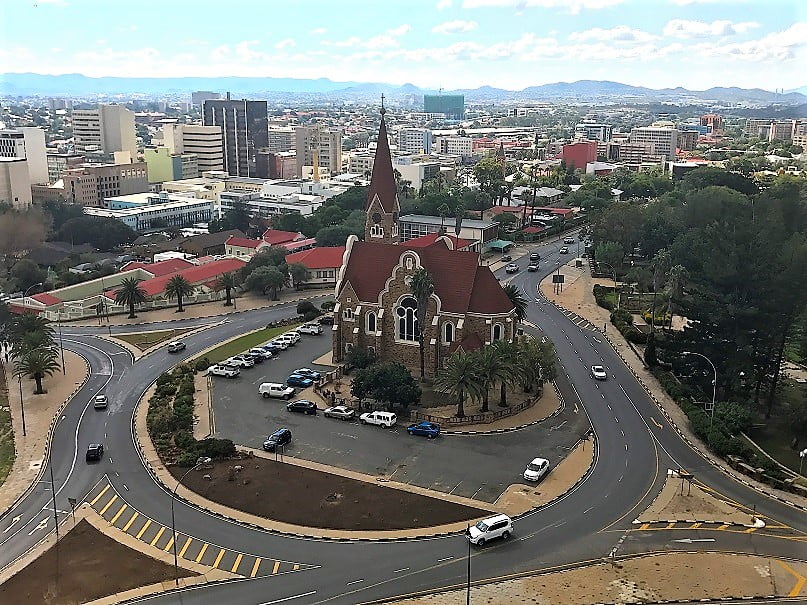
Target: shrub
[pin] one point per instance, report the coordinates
(184, 440)
(601, 296)
(311, 315)
(165, 378)
(306, 306)
(328, 306)
(187, 459)
(621, 315)
(160, 422)
(215, 448)
(201, 364)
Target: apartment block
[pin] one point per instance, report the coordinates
(578, 155)
(664, 140)
(277, 165)
(281, 138)
(361, 162)
(415, 140)
(593, 132)
(108, 128)
(90, 184)
(244, 127)
(462, 146)
(713, 122)
(205, 142)
(327, 142)
(27, 143)
(687, 140)
(15, 183)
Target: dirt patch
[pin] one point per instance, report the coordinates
(307, 497)
(685, 502)
(87, 565)
(675, 576)
(146, 340)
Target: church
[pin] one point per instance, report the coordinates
(375, 307)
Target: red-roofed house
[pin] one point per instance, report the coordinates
(323, 263)
(244, 247)
(163, 267)
(450, 241)
(276, 237)
(375, 306)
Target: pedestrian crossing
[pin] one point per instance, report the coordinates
(580, 322)
(108, 503)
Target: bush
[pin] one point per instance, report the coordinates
(306, 306)
(165, 378)
(311, 315)
(215, 448)
(160, 422)
(601, 296)
(186, 459)
(621, 315)
(328, 306)
(360, 357)
(201, 364)
(184, 440)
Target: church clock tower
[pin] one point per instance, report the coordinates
(382, 199)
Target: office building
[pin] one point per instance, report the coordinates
(361, 162)
(452, 106)
(15, 183)
(108, 128)
(462, 146)
(205, 142)
(663, 139)
(781, 130)
(90, 184)
(281, 138)
(277, 165)
(59, 163)
(200, 96)
(415, 140)
(713, 123)
(162, 165)
(326, 142)
(687, 140)
(579, 154)
(27, 143)
(416, 170)
(155, 210)
(244, 130)
(593, 132)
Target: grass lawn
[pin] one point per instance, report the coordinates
(6, 433)
(146, 340)
(245, 343)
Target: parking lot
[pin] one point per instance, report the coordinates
(472, 466)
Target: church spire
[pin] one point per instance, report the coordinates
(382, 198)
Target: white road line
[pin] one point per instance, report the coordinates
(652, 434)
(355, 582)
(444, 559)
(588, 509)
(400, 570)
(297, 596)
(455, 487)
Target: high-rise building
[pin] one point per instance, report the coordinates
(162, 165)
(109, 128)
(205, 142)
(327, 142)
(415, 140)
(15, 184)
(200, 96)
(713, 122)
(663, 139)
(687, 140)
(90, 184)
(453, 106)
(244, 127)
(281, 138)
(456, 146)
(593, 132)
(27, 143)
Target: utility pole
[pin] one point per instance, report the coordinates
(468, 583)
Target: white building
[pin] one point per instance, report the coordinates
(415, 169)
(327, 142)
(663, 139)
(15, 184)
(281, 138)
(462, 146)
(27, 143)
(361, 162)
(593, 132)
(205, 142)
(109, 128)
(145, 211)
(415, 140)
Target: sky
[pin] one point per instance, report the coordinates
(430, 43)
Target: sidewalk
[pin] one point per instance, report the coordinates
(41, 412)
(578, 297)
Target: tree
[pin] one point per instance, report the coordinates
(337, 235)
(227, 282)
(491, 369)
(508, 352)
(460, 378)
(100, 232)
(422, 288)
(290, 222)
(516, 297)
(26, 273)
(130, 294)
(267, 278)
(37, 364)
(274, 256)
(537, 362)
(299, 274)
(796, 414)
(609, 252)
(676, 282)
(178, 287)
(20, 232)
(306, 306)
(388, 382)
(360, 357)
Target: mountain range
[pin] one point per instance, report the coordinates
(78, 85)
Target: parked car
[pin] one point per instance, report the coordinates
(532, 267)
(95, 451)
(176, 346)
(342, 412)
(302, 405)
(280, 344)
(276, 389)
(308, 373)
(298, 380)
(285, 339)
(511, 268)
(536, 469)
(564, 250)
(505, 258)
(262, 353)
(497, 526)
(100, 402)
(272, 348)
(294, 335)
(385, 419)
(310, 329)
(568, 240)
(326, 320)
(599, 373)
(424, 428)
(277, 440)
(534, 256)
(223, 370)
(240, 361)
(255, 357)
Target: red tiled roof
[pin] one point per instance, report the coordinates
(273, 237)
(196, 275)
(300, 243)
(460, 283)
(503, 209)
(431, 239)
(533, 229)
(318, 258)
(382, 181)
(243, 242)
(163, 267)
(46, 298)
(471, 342)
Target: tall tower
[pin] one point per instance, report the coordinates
(382, 199)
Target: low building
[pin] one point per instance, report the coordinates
(162, 165)
(323, 263)
(59, 163)
(90, 184)
(143, 212)
(243, 247)
(478, 232)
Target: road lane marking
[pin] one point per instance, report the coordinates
(143, 529)
(656, 423)
(800, 579)
(100, 495)
(400, 570)
(218, 558)
(750, 530)
(255, 567)
(237, 562)
(644, 526)
(185, 547)
(297, 596)
(722, 527)
(201, 553)
(157, 537)
(276, 567)
(169, 545)
(695, 525)
(444, 559)
(355, 582)
(130, 521)
(123, 507)
(108, 504)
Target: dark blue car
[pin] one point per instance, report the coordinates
(298, 380)
(427, 429)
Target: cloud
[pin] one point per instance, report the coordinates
(285, 43)
(443, 4)
(682, 28)
(455, 27)
(318, 31)
(571, 6)
(620, 33)
(780, 46)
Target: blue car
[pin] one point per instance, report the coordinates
(427, 429)
(298, 380)
(308, 373)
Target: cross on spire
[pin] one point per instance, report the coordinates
(383, 111)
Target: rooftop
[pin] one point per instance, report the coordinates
(448, 222)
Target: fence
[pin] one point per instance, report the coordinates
(485, 418)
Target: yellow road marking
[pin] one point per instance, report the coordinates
(644, 526)
(108, 504)
(157, 537)
(185, 547)
(750, 530)
(296, 567)
(99, 496)
(255, 567)
(143, 529)
(237, 562)
(218, 558)
(695, 525)
(722, 527)
(800, 579)
(118, 514)
(276, 567)
(201, 552)
(656, 423)
(670, 525)
(170, 544)
(130, 521)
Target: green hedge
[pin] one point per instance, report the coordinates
(602, 296)
(623, 320)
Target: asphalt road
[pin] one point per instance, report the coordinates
(635, 447)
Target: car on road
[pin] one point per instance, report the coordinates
(505, 258)
(568, 240)
(342, 412)
(326, 320)
(277, 440)
(536, 469)
(598, 372)
(424, 428)
(95, 451)
(302, 405)
(308, 373)
(241, 361)
(534, 257)
(313, 329)
(532, 267)
(511, 268)
(298, 380)
(492, 528)
(385, 419)
(276, 389)
(176, 346)
(227, 371)
(564, 250)
(262, 353)
(100, 402)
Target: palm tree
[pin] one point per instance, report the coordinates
(30, 341)
(227, 282)
(536, 362)
(178, 287)
(28, 323)
(676, 280)
(516, 297)
(508, 353)
(130, 294)
(491, 368)
(422, 288)
(460, 378)
(37, 364)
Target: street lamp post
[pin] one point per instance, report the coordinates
(25, 294)
(616, 288)
(468, 584)
(22, 404)
(173, 520)
(714, 391)
(61, 345)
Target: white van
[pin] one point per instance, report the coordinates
(498, 526)
(385, 419)
(276, 389)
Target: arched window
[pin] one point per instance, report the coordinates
(371, 323)
(376, 231)
(448, 332)
(406, 322)
(498, 332)
(348, 313)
